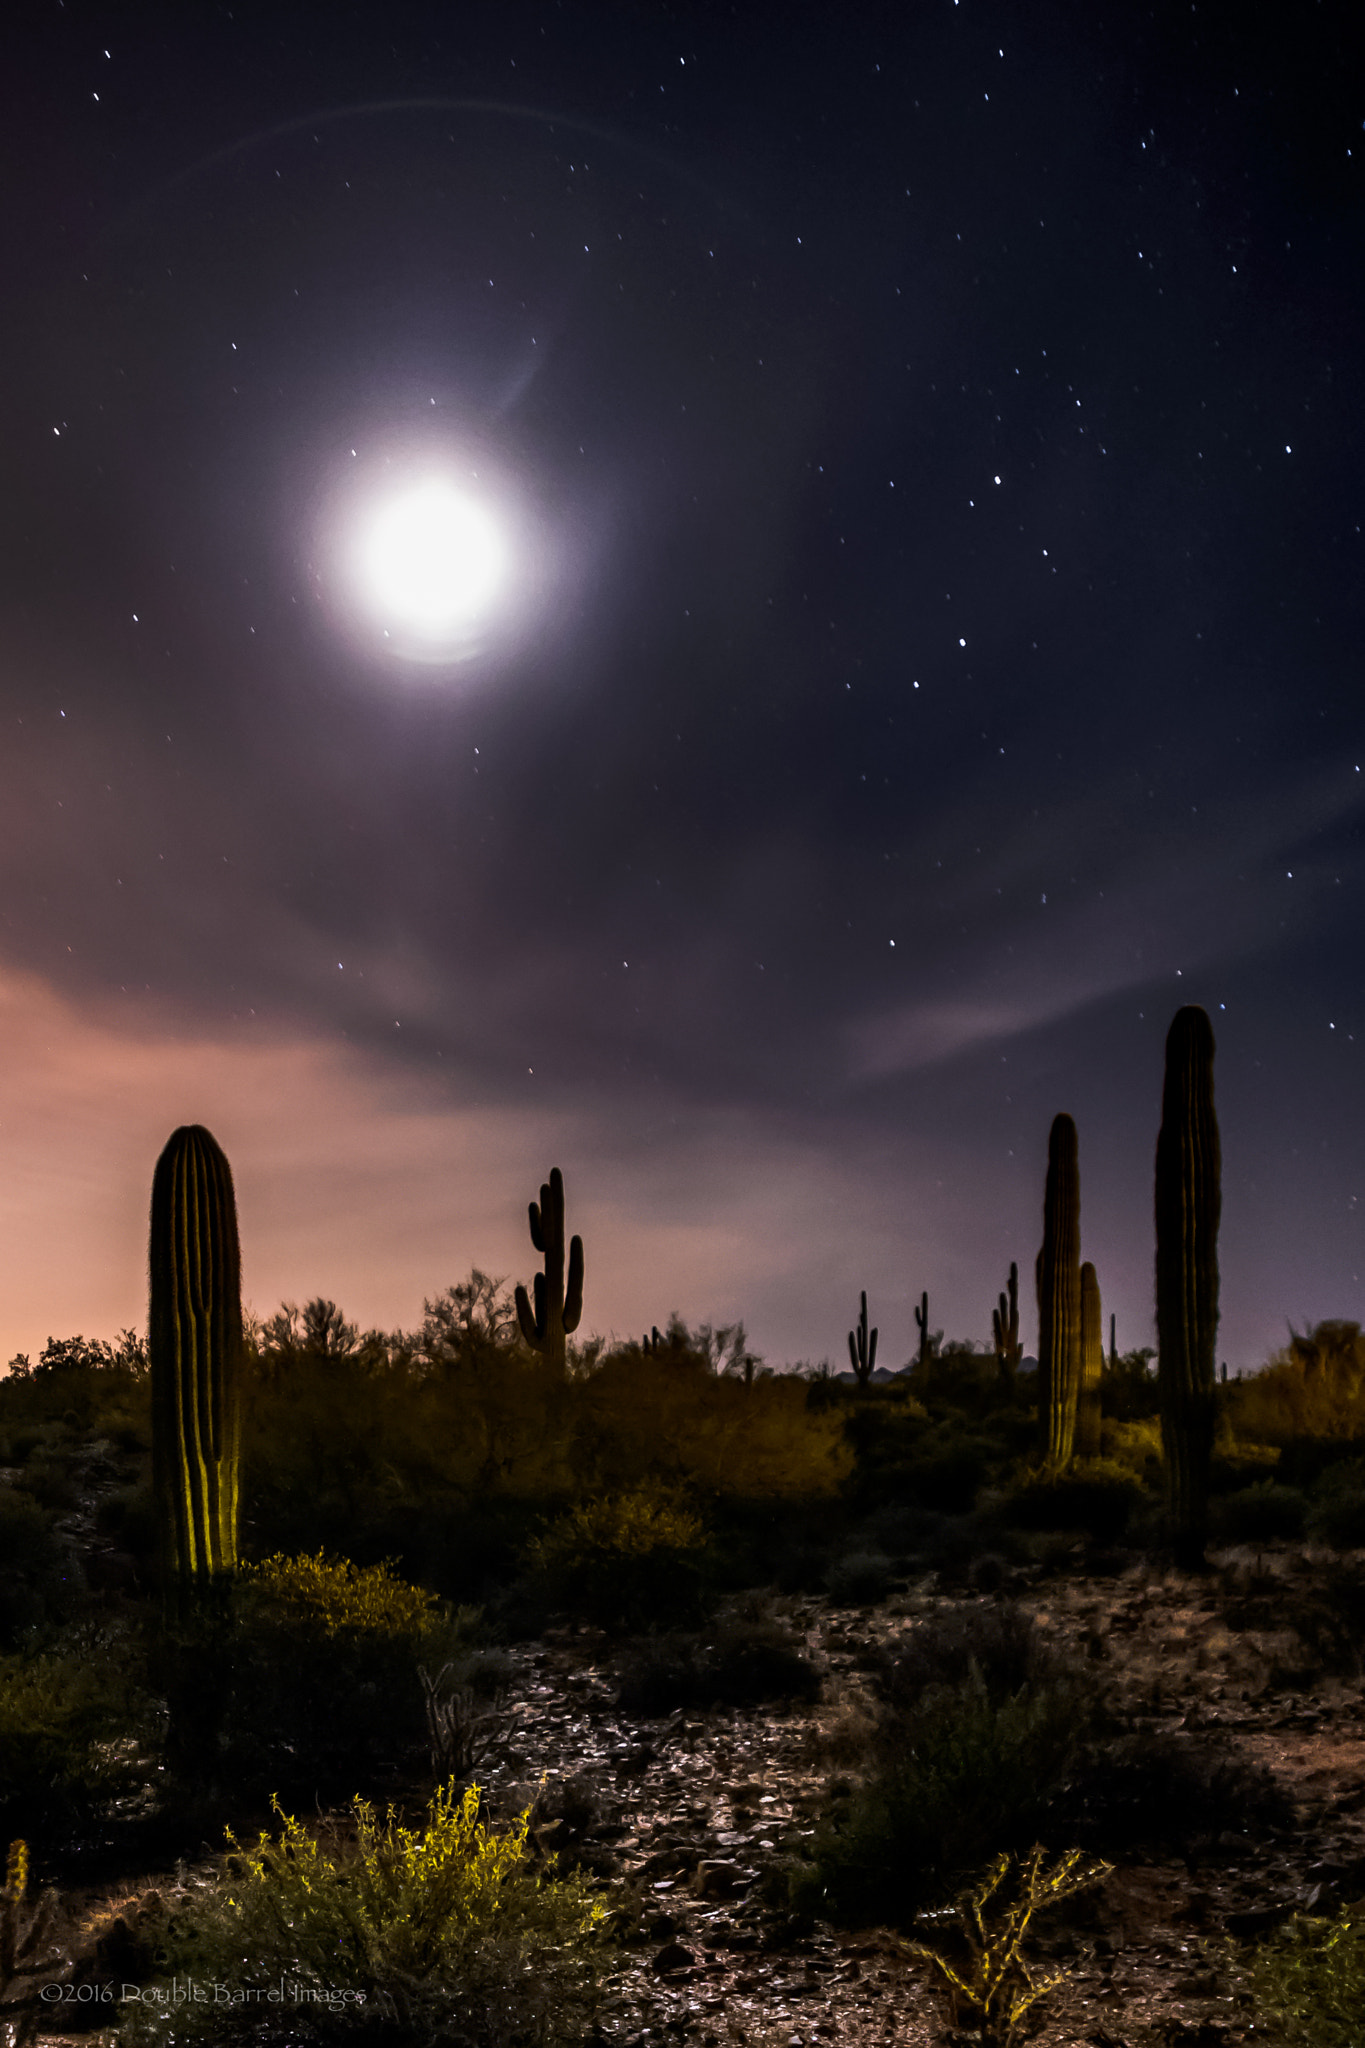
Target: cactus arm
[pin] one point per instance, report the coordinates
(573, 1298)
(1092, 1365)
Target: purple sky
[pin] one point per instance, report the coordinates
(928, 447)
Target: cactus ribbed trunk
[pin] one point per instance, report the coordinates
(1188, 1207)
(1059, 1297)
(1005, 1330)
(862, 1347)
(557, 1309)
(194, 1340)
(1092, 1365)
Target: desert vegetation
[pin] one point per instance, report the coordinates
(473, 1683)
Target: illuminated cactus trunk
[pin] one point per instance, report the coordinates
(557, 1310)
(1059, 1298)
(1092, 1365)
(1188, 1206)
(195, 1344)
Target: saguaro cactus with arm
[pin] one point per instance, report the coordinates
(194, 1341)
(1005, 1328)
(862, 1347)
(1059, 1297)
(557, 1308)
(1189, 1204)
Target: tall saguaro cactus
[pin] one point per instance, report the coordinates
(862, 1347)
(1059, 1297)
(922, 1324)
(1092, 1365)
(557, 1308)
(1188, 1207)
(1005, 1329)
(194, 1339)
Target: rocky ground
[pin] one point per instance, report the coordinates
(691, 1810)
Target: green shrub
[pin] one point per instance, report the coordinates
(626, 1560)
(308, 1680)
(1337, 1512)
(1263, 1513)
(38, 1582)
(1099, 1498)
(1309, 1977)
(72, 1722)
(1171, 1792)
(751, 1658)
(859, 1579)
(960, 1777)
(334, 1597)
(447, 1934)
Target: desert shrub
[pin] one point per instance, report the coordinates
(1315, 1387)
(1128, 1387)
(444, 1934)
(625, 1560)
(335, 1597)
(1099, 1498)
(1263, 1513)
(859, 1578)
(997, 1639)
(962, 1776)
(1329, 1619)
(1171, 1792)
(129, 1515)
(72, 1721)
(37, 1579)
(1337, 1512)
(1308, 1978)
(751, 1658)
(948, 1470)
(308, 1680)
(1132, 1444)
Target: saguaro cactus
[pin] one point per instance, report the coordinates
(1005, 1328)
(862, 1349)
(557, 1309)
(194, 1340)
(922, 1323)
(1188, 1207)
(1059, 1297)
(1092, 1365)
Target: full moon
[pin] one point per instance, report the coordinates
(432, 561)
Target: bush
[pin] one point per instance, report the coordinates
(626, 1560)
(1310, 1978)
(859, 1579)
(1172, 1792)
(1263, 1513)
(37, 1579)
(1099, 1498)
(1337, 1513)
(1000, 1641)
(307, 1680)
(752, 1658)
(71, 1723)
(444, 1935)
(966, 1775)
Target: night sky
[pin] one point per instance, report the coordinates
(920, 450)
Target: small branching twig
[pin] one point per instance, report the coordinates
(998, 1984)
(27, 1950)
(458, 1732)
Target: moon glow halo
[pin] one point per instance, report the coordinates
(431, 563)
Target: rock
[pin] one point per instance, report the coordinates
(672, 1957)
